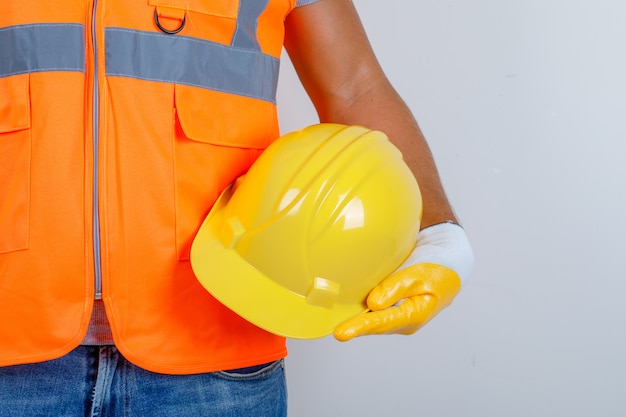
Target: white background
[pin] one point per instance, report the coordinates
(523, 104)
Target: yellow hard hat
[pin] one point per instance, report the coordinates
(296, 244)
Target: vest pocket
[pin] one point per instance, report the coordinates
(225, 119)
(220, 8)
(217, 137)
(14, 162)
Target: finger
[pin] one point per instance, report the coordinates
(364, 324)
(392, 289)
(406, 318)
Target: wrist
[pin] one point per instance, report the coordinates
(444, 244)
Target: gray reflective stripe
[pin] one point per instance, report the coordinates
(247, 19)
(42, 47)
(190, 61)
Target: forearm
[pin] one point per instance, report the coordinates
(379, 107)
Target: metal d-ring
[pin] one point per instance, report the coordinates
(168, 31)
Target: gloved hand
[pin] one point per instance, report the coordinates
(425, 284)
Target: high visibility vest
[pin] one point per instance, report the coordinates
(115, 140)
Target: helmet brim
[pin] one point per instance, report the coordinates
(251, 294)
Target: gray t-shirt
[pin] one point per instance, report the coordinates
(304, 2)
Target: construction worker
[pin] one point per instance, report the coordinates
(121, 122)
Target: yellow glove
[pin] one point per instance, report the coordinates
(410, 297)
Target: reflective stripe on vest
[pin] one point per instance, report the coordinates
(241, 69)
(245, 34)
(42, 47)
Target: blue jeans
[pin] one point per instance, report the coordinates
(98, 381)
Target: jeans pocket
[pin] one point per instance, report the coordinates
(255, 372)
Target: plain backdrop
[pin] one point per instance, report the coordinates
(523, 104)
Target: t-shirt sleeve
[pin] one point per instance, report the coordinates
(304, 2)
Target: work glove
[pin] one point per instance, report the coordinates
(421, 287)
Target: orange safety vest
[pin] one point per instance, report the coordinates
(115, 140)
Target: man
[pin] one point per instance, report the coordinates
(120, 123)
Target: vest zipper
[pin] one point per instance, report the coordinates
(97, 259)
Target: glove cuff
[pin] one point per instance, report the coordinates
(443, 244)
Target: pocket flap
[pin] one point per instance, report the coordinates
(225, 119)
(14, 103)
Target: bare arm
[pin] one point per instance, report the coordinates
(335, 62)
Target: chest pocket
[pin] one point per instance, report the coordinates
(172, 16)
(221, 8)
(14, 162)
